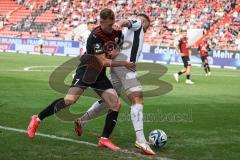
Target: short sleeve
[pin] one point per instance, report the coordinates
(94, 45)
(135, 24)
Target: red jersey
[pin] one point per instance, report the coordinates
(183, 46)
(203, 49)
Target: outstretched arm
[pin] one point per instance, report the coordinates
(134, 24)
(110, 63)
(124, 23)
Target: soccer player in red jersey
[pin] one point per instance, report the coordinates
(203, 49)
(91, 72)
(183, 48)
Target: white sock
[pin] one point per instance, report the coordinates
(94, 111)
(137, 120)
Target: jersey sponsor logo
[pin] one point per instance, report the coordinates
(98, 48)
(116, 39)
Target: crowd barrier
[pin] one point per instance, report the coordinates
(153, 54)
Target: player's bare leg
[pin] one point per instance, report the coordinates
(110, 97)
(189, 69)
(58, 104)
(136, 99)
(98, 108)
(73, 95)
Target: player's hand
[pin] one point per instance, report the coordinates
(114, 53)
(131, 66)
(117, 27)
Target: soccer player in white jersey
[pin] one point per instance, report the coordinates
(125, 79)
(84, 34)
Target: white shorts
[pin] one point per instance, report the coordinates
(124, 79)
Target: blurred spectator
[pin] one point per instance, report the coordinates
(40, 43)
(168, 17)
(85, 33)
(1, 23)
(57, 33)
(237, 42)
(20, 1)
(53, 29)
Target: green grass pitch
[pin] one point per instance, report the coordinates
(201, 120)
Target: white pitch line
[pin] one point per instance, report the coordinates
(32, 67)
(199, 74)
(195, 74)
(80, 142)
(203, 74)
(20, 70)
(168, 73)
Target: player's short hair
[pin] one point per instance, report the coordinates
(145, 16)
(107, 14)
(91, 22)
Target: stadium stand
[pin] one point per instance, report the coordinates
(54, 19)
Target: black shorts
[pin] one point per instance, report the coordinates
(186, 61)
(204, 58)
(93, 78)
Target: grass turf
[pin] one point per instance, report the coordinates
(202, 120)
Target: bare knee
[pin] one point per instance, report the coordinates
(111, 98)
(115, 105)
(70, 100)
(184, 69)
(136, 98)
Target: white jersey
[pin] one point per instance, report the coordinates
(121, 77)
(84, 36)
(133, 40)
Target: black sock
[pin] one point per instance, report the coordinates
(188, 76)
(180, 73)
(205, 68)
(208, 68)
(52, 108)
(110, 123)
